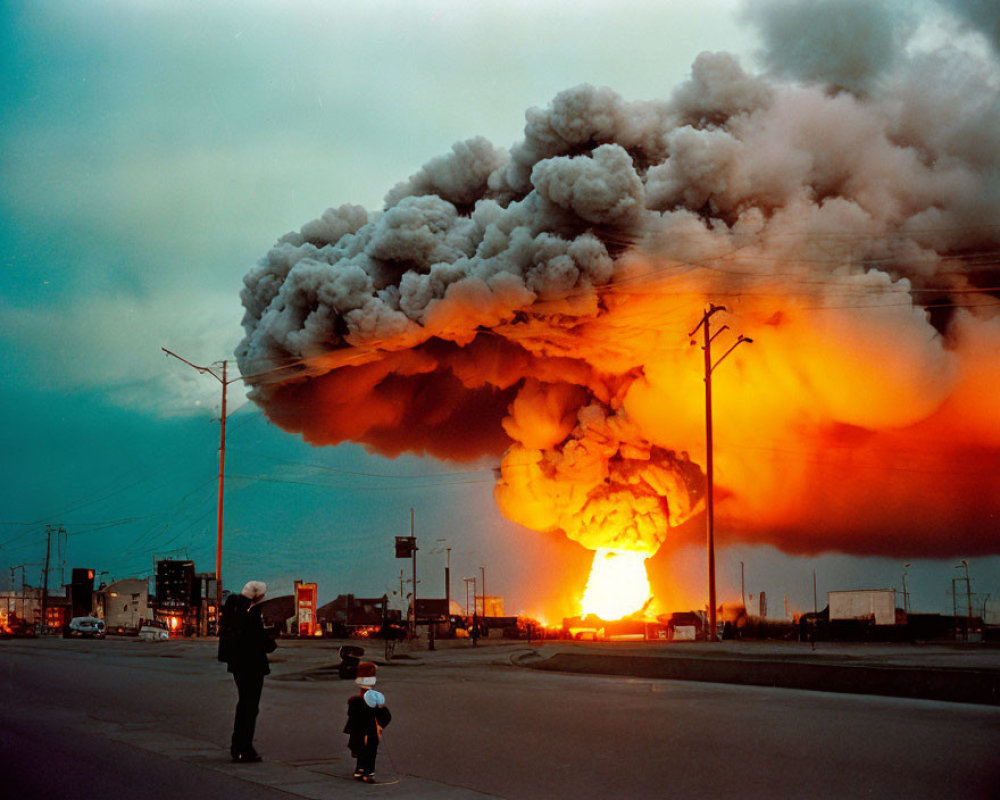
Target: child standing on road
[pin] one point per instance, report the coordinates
(367, 715)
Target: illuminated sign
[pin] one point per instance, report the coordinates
(305, 608)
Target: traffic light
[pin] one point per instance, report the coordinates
(405, 545)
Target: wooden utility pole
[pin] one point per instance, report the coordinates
(483, 571)
(413, 555)
(709, 337)
(447, 577)
(218, 516)
(224, 380)
(475, 621)
(467, 582)
(815, 596)
(49, 530)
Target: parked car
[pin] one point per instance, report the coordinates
(85, 626)
(150, 632)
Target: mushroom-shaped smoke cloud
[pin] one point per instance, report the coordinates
(535, 305)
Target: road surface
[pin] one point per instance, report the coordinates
(125, 716)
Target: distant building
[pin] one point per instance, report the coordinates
(278, 612)
(58, 611)
(124, 605)
(493, 605)
(991, 611)
(81, 592)
(24, 603)
(208, 612)
(178, 596)
(349, 614)
(438, 609)
(876, 606)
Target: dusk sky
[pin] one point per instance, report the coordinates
(154, 152)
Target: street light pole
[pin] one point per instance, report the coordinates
(709, 337)
(223, 379)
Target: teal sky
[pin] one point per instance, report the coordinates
(152, 152)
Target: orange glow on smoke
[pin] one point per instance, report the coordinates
(618, 585)
(536, 306)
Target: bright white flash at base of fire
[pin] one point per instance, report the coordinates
(617, 585)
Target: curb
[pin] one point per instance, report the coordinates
(949, 684)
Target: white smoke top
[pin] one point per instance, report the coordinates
(535, 304)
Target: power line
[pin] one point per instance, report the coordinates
(341, 471)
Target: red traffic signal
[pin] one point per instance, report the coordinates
(405, 545)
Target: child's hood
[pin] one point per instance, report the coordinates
(374, 699)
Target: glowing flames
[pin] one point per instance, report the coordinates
(618, 585)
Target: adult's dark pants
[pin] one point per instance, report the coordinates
(248, 686)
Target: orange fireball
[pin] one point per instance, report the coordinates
(618, 585)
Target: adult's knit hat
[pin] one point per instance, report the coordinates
(366, 674)
(255, 590)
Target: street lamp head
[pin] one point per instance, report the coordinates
(746, 339)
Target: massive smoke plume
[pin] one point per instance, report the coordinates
(534, 305)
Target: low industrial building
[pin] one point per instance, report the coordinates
(124, 605)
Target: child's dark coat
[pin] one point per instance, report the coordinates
(362, 728)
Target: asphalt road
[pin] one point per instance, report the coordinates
(131, 719)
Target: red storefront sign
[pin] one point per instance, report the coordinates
(305, 608)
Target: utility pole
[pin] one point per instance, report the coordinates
(483, 587)
(815, 598)
(49, 530)
(709, 337)
(447, 578)
(475, 621)
(467, 582)
(225, 381)
(968, 596)
(906, 596)
(743, 594)
(61, 550)
(414, 557)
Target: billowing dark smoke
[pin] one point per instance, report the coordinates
(534, 304)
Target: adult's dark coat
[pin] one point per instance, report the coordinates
(243, 642)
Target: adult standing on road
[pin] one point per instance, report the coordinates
(244, 645)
